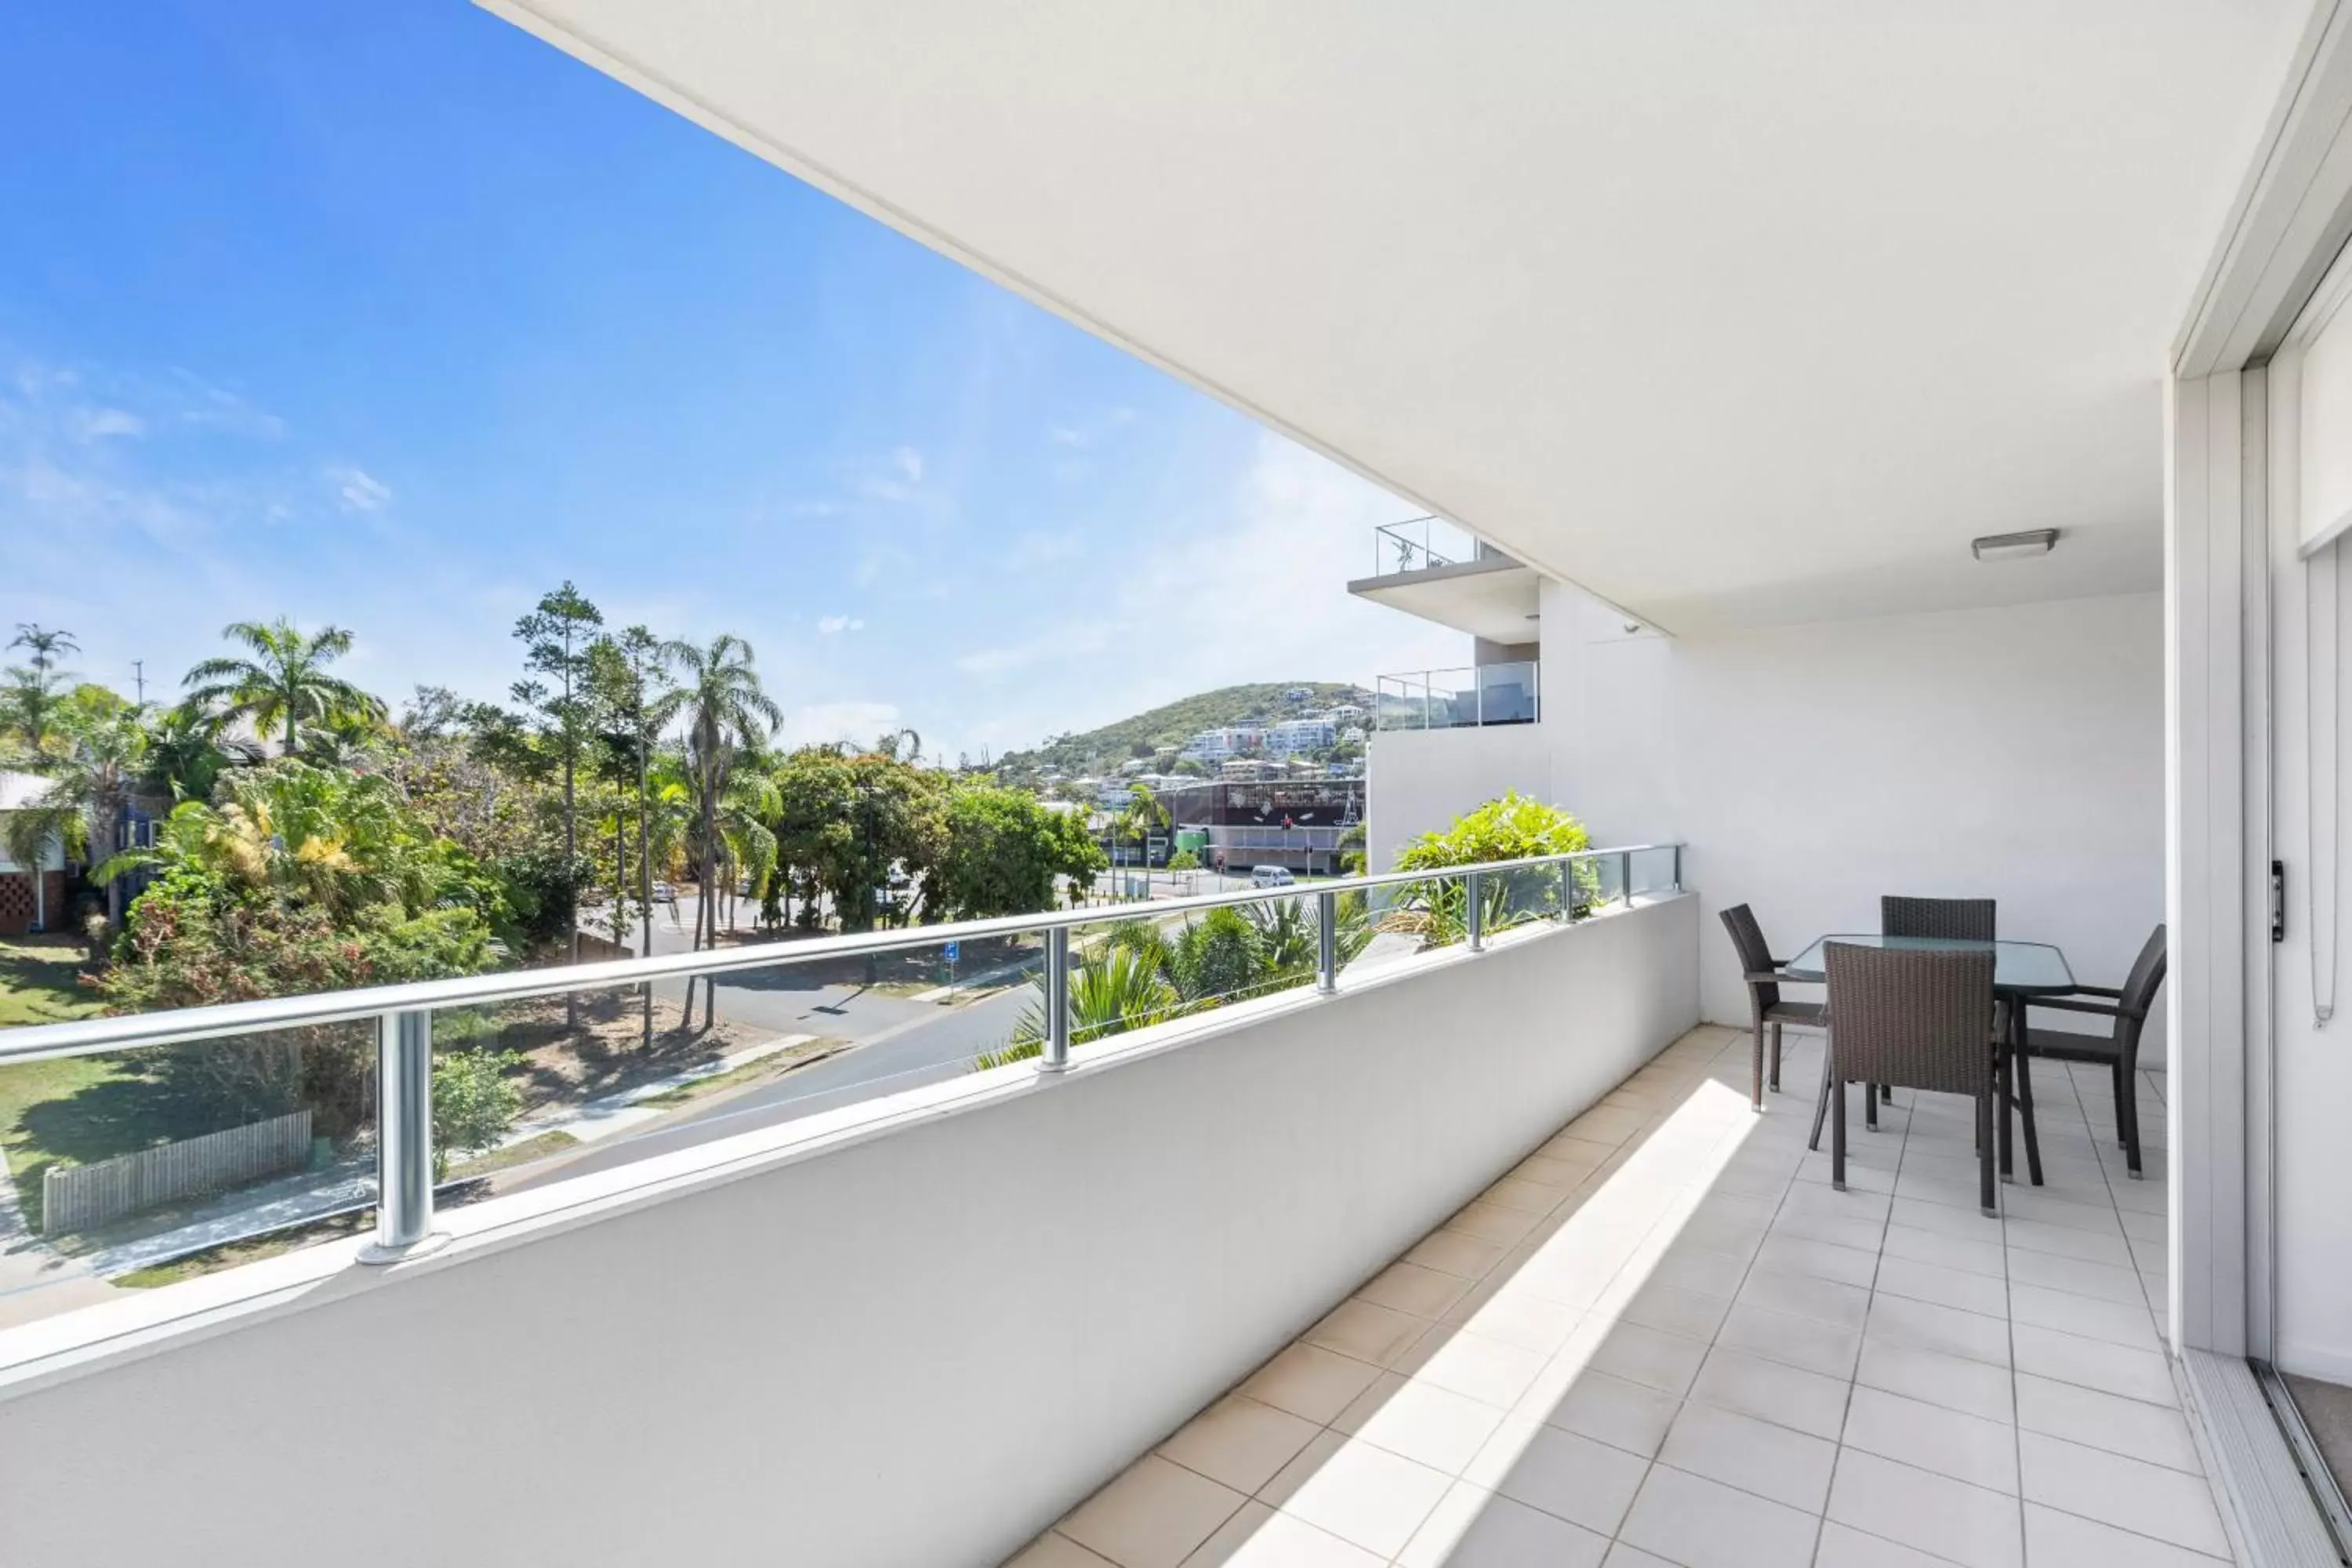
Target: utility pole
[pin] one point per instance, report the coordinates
(138, 674)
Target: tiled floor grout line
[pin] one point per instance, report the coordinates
(1589, 1186)
(1670, 1087)
(2016, 1399)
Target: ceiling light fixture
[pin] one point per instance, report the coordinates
(2014, 546)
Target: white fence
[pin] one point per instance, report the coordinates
(79, 1196)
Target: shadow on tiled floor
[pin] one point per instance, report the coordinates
(1664, 1338)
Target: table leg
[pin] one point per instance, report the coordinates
(2002, 1131)
(2021, 1074)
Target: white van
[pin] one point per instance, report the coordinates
(1271, 877)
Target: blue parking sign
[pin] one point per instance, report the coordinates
(955, 951)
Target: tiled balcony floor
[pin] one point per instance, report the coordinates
(1666, 1338)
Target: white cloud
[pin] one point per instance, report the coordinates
(356, 489)
(1066, 640)
(1308, 522)
(211, 407)
(1037, 549)
(820, 723)
(995, 660)
(1092, 432)
(899, 480)
(96, 424)
(832, 625)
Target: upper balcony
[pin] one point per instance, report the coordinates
(1431, 568)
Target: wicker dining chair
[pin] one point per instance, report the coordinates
(1956, 919)
(2119, 1049)
(1766, 1006)
(1914, 1020)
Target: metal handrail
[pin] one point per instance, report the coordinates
(1480, 677)
(182, 1025)
(1406, 546)
(404, 1013)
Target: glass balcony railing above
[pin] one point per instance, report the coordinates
(1460, 698)
(1418, 543)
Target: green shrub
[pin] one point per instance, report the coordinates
(1218, 956)
(1513, 827)
(474, 1103)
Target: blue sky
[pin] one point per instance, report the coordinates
(391, 316)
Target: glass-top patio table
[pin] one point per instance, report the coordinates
(2027, 968)
(2020, 968)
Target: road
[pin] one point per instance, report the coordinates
(924, 1050)
(901, 1044)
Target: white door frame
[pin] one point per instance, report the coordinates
(2291, 220)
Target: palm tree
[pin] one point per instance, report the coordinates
(89, 797)
(44, 644)
(186, 753)
(26, 833)
(285, 682)
(31, 697)
(1144, 818)
(718, 696)
(1112, 991)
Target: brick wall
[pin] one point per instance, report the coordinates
(16, 902)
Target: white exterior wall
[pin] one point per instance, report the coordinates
(1419, 781)
(53, 858)
(2016, 754)
(915, 1338)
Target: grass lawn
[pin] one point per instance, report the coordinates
(251, 1250)
(81, 1109)
(39, 981)
(744, 1077)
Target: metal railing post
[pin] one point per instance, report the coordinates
(1625, 879)
(403, 1137)
(1567, 891)
(1058, 1001)
(1475, 924)
(1326, 942)
(1678, 867)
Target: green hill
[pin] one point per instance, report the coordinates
(1174, 723)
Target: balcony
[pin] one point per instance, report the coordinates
(1663, 1337)
(1013, 1281)
(1492, 1263)
(1466, 698)
(1432, 569)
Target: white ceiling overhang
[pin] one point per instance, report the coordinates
(1734, 314)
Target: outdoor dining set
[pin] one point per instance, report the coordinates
(1935, 1002)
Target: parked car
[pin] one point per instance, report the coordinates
(1272, 877)
(664, 893)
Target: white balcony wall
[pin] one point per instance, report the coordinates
(2013, 752)
(914, 1333)
(1419, 781)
